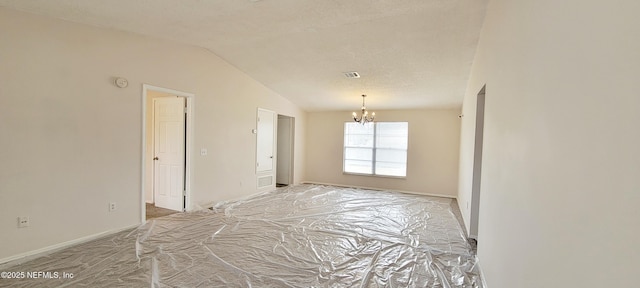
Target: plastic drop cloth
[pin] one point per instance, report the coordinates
(300, 236)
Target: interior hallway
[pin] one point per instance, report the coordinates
(155, 212)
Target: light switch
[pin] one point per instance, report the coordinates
(203, 152)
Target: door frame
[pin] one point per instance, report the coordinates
(190, 99)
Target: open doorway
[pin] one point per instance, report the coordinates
(477, 165)
(285, 139)
(167, 136)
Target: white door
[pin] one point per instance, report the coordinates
(265, 150)
(169, 145)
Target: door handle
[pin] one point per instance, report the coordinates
(155, 158)
(271, 157)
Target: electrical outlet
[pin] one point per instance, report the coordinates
(23, 222)
(113, 206)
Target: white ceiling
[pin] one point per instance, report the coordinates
(410, 53)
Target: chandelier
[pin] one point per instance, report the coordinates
(364, 117)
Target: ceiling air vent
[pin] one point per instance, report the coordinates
(353, 74)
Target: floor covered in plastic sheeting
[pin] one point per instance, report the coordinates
(299, 236)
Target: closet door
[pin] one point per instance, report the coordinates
(265, 149)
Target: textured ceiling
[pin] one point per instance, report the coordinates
(409, 53)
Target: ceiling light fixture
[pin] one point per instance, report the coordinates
(364, 117)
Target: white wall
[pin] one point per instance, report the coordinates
(560, 186)
(432, 168)
(71, 140)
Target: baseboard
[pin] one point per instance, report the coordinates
(380, 189)
(26, 256)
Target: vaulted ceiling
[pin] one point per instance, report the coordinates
(409, 53)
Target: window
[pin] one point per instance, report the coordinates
(378, 148)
